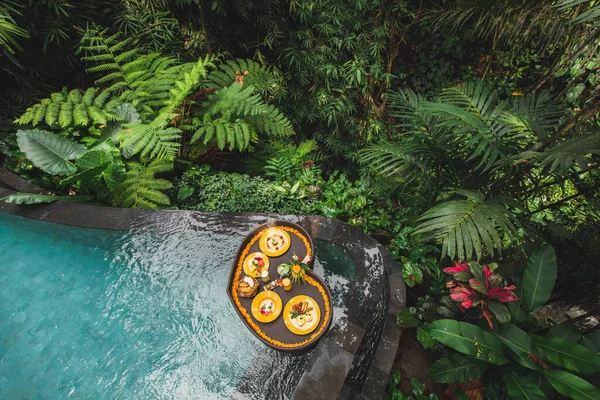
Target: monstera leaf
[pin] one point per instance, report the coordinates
(49, 152)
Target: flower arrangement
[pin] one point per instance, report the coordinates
(295, 269)
(474, 285)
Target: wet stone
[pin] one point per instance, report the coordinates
(325, 373)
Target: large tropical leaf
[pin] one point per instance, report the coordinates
(539, 278)
(49, 152)
(592, 342)
(456, 368)
(31, 198)
(518, 343)
(571, 386)
(567, 355)
(102, 163)
(521, 387)
(407, 160)
(565, 331)
(468, 339)
(469, 226)
(564, 155)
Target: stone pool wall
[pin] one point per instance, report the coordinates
(354, 359)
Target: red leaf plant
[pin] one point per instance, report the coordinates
(476, 286)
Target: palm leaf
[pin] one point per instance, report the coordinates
(467, 227)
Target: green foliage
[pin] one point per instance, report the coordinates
(9, 31)
(250, 73)
(223, 123)
(539, 278)
(30, 198)
(568, 355)
(411, 272)
(592, 342)
(467, 227)
(521, 387)
(109, 54)
(99, 167)
(468, 339)
(141, 189)
(456, 368)
(199, 189)
(49, 152)
(520, 348)
(71, 109)
(571, 385)
(417, 389)
(565, 331)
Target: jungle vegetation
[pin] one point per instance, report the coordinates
(450, 130)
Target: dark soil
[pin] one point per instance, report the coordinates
(414, 361)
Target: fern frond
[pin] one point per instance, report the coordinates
(152, 139)
(241, 103)
(469, 226)
(237, 134)
(264, 79)
(141, 189)
(109, 55)
(67, 109)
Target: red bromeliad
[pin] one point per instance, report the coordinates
(473, 285)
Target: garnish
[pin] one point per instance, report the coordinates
(296, 268)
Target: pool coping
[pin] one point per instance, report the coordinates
(332, 359)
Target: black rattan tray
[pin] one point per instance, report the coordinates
(275, 334)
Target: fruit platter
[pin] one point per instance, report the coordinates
(274, 290)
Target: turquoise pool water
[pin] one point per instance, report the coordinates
(95, 314)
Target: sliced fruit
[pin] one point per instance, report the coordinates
(300, 320)
(308, 317)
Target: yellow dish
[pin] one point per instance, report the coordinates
(274, 242)
(253, 271)
(306, 326)
(266, 306)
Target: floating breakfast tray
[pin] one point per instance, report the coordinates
(276, 334)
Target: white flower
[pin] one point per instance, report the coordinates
(306, 260)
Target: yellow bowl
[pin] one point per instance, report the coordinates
(264, 300)
(292, 324)
(281, 237)
(249, 268)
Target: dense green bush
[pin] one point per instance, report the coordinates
(199, 189)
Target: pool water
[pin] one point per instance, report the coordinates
(101, 314)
